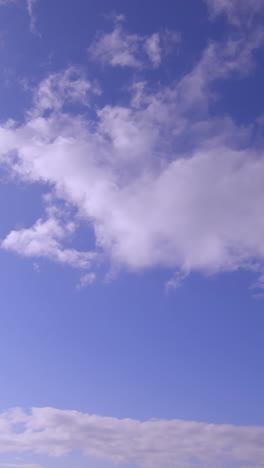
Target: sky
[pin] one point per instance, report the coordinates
(131, 234)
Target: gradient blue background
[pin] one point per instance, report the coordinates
(125, 347)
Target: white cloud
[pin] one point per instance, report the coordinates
(58, 88)
(153, 49)
(158, 45)
(150, 444)
(119, 48)
(116, 48)
(160, 181)
(44, 240)
(238, 12)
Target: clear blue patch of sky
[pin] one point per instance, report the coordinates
(197, 351)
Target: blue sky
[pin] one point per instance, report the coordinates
(131, 241)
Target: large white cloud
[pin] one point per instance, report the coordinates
(160, 180)
(150, 444)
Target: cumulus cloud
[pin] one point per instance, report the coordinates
(150, 444)
(160, 180)
(119, 48)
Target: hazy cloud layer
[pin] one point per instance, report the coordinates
(151, 444)
(20, 465)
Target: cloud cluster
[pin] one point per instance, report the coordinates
(150, 444)
(119, 48)
(160, 180)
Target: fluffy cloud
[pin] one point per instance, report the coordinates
(160, 181)
(150, 444)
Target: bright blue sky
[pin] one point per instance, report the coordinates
(132, 258)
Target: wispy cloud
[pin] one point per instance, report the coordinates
(86, 280)
(6, 2)
(32, 16)
(30, 6)
(153, 443)
(238, 12)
